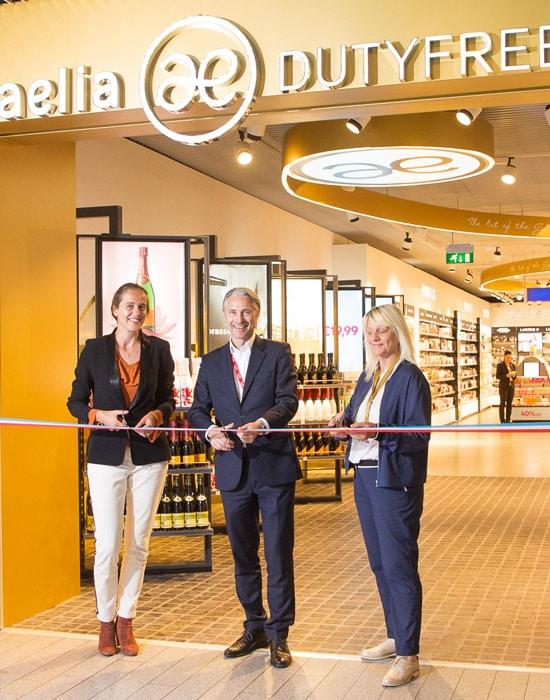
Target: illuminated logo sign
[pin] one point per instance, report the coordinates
(174, 80)
(384, 167)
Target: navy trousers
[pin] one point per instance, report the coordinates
(390, 520)
(276, 506)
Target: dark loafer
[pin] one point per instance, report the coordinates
(246, 644)
(280, 654)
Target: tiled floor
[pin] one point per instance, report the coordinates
(45, 666)
(485, 565)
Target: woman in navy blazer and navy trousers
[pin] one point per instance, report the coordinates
(390, 471)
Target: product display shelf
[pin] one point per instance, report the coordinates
(532, 391)
(486, 396)
(437, 345)
(468, 367)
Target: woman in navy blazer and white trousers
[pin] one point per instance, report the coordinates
(390, 471)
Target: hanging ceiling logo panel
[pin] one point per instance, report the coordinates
(222, 78)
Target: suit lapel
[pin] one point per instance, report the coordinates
(144, 368)
(226, 373)
(114, 376)
(257, 356)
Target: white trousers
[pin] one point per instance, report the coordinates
(140, 487)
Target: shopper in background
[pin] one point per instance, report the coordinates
(506, 375)
(251, 385)
(390, 471)
(124, 379)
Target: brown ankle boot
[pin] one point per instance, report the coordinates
(107, 641)
(125, 634)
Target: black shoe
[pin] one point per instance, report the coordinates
(246, 644)
(280, 654)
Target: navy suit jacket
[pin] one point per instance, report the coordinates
(402, 457)
(269, 392)
(96, 373)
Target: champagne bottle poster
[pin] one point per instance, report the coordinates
(159, 268)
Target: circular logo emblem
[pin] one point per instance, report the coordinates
(225, 76)
(390, 166)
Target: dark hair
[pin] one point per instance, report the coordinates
(117, 297)
(507, 352)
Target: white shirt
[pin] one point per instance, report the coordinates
(368, 449)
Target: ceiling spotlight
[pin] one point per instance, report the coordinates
(469, 277)
(255, 132)
(519, 297)
(467, 116)
(538, 283)
(407, 241)
(243, 152)
(357, 124)
(353, 218)
(547, 113)
(348, 188)
(497, 254)
(452, 269)
(508, 178)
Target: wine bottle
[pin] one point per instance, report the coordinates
(310, 445)
(200, 448)
(312, 369)
(326, 407)
(321, 368)
(165, 507)
(175, 458)
(144, 281)
(332, 401)
(300, 444)
(319, 443)
(202, 503)
(189, 502)
(300, 416)
(157, 518)
(308, 411)
(178, 518)
(90, 523)
(187, 448)
(186, 384)
(331, 369)
(302, 368)
(317, 406)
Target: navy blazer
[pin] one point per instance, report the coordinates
(97, 374)
(402, 457)
(270, 392)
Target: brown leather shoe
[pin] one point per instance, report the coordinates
(107, 640)
(125, 635)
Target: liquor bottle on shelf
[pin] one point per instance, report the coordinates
(293, 356)
(317, 406)
(302, 368)
(319, 444)
(178, 519)
(312, 369)
(90, 523)
(165, 508)
(326, 412)
(202, 503)
(175, 458)
(187, 447)
(144, 281)
(300, 416)
(200, 448)
(308, 411)
(157, 518)
(331, 367)
(332, 401)
(189, 502)
(321, 368)
(300, 444)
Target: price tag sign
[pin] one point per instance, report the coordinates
(349, 329)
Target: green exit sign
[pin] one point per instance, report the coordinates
(458, 258)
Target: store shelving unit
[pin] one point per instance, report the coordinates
(486, 397)
(437, 346)
(532, 392)
(468, 379)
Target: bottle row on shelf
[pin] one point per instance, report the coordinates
(183, 506)
(186, 449)
(315, 406)
(316, 443)
(319, 371)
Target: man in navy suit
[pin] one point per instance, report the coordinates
(251, 384)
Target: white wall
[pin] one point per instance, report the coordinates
(161, 196)
(392, 276)
(520, 314)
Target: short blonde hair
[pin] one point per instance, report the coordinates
(388, 315)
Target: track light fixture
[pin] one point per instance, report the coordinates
(407, 241)
(357, 124)
(547, 113)
(508, 177)
(353, 218)
(452, 269)
(243, 152)
(497, 254)
(467, 116)
(255, 132)
(469, 277)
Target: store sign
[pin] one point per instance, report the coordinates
(229, 76)
(458, 254)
